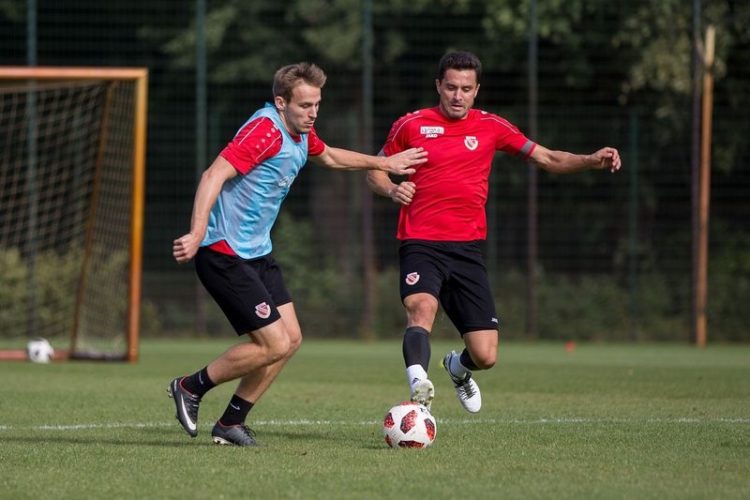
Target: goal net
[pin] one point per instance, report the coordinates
(72, 152)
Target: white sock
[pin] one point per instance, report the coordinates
(414, 373)
(456, 368)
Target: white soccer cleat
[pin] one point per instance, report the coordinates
(423, 392)
(467, 390)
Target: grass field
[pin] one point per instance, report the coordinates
(603, 421)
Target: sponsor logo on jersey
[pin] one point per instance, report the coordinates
(471, 142)
(263, 310)
(431, 131)
(412, 278)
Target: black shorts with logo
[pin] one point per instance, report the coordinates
(248, 291)
(455, 274)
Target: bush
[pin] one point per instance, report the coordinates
(327, 304)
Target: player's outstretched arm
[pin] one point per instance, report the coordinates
(381, 184)
(399, 164)
(562, 162)
(186, 246)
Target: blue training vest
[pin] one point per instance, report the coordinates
(248, 205)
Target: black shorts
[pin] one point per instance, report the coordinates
(455, 274)
(248, 291)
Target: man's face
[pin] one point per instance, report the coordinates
(457, 91)
(300, 112)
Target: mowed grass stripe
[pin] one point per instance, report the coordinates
(449, 421)
(604, 421)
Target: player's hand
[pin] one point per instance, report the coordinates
(403, 193)
(402, 163)
(185, 247)
(607, 159)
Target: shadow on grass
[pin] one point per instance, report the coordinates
(370, 441)
(174, 438)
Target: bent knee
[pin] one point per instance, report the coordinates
(484, 361)
(485, 364)
(278, 350)
(295, 341)
(421, 307)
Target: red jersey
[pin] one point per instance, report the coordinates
(452, 186)
(259, 140)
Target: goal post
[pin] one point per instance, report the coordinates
(72, 182)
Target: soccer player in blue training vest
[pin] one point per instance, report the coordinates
(443, 220)
(236, 204)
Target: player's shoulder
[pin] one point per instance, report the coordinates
(259, 124)
(412, 116)
(487, 117)
(413, 120)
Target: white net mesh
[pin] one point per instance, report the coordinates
(66, 197)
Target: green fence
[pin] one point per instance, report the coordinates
(615, 252)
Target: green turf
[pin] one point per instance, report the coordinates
(604, 421)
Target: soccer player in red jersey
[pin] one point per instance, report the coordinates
(443, 220)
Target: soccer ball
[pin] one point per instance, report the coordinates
(39, 351)
(409, 425)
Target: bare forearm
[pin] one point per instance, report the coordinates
(205, 196)
(402, 163)
(204, 199)
(351, 160)
(562, 162)
(380, 183)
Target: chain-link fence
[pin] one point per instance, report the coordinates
(614, 251)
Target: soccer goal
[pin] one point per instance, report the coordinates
(72, 173)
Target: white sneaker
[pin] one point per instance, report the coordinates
(423, 392)
(467, 390)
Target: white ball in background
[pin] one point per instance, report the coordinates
(39, 351)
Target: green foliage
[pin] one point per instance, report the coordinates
(13, 9)
(583, 307)
(56, 279)
(729, 289)
(327, 303)
(13, 290)
(598, 62)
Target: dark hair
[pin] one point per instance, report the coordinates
(459, 60)
(288, 77)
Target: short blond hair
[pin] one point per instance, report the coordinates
(288, 77)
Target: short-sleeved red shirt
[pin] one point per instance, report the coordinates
(452, 186)
(259, 140)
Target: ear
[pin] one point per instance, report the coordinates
(279, 102)
(437, 85)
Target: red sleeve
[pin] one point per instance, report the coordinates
(511, 140)
(398, 138)
(256, 141)
(315, 145)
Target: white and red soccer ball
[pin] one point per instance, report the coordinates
(409, 425)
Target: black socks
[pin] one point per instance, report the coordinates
(416, 347)
(236, 411)
(198, 383)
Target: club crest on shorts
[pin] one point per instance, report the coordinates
(412, 278)
(471, 142)
(263, 310)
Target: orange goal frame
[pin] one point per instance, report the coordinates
(140, 78)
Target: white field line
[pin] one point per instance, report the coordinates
(443, 421)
